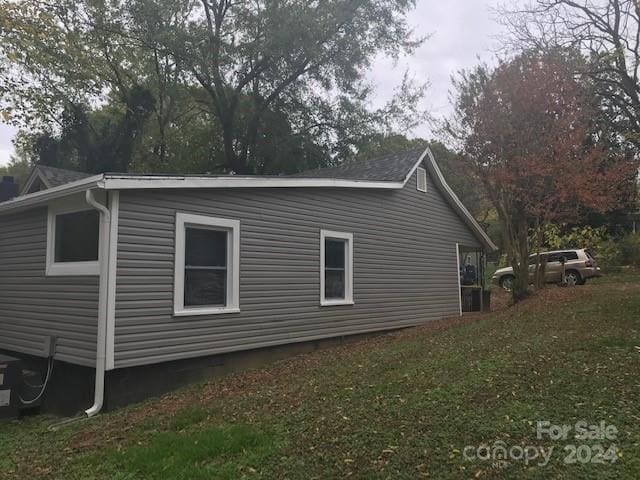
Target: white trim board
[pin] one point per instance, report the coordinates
(421, 179)
(125, 182)
(348, 268)
(114, 207)
(44, 196)
(232, 181)
(457, 204)
(53, 268)
(458, 277)
(415, 166)
(232, 227)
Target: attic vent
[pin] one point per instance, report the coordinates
(422, 179)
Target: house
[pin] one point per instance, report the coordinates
(133, 284)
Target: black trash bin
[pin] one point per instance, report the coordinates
(486, 300)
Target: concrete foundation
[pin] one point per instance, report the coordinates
(70, 389)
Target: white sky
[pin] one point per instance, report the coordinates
(461, 31)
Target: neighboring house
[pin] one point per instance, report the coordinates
(43, 177)
(150, 277)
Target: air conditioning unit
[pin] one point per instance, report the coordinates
(10, 386)
(21, 388)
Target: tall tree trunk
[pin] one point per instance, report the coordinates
(541, 263)
(517, 249)
(520, 262)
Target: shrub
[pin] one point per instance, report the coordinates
(609, 251)
(630, 250)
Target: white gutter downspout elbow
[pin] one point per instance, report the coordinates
(101, 344)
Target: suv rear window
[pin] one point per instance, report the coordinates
(555, 257)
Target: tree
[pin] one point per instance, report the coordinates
(304, 60)
(607, 32)
(61, 57)
(20, 164)
(18, 168)
(252, 75)
(527, 127)
(97, 141)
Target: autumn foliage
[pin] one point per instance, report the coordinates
(529, 127)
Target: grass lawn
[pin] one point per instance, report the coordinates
(399, 406)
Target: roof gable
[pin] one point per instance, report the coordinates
(43, 177)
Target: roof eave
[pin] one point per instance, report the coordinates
(457, 204)
(43, 196)
(126, 182)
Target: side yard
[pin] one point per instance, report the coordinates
(399, 406)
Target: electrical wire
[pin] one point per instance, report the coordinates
(44, 385)
(31, 385)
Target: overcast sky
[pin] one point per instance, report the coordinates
(461, 31)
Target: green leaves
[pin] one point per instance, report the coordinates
(260, 84)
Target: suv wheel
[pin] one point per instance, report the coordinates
(572, 278)
(506, 282)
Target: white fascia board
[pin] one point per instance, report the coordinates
(428, 155)
(132, 182)
(152, 182)
(417, 164)
(44, 196)
(457, 203)
(114, 207)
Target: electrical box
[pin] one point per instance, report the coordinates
(10, 384)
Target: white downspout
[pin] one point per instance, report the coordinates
(101, 344)
(458, 276)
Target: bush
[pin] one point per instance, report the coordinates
(609, 251)
(630, 250)
(577, 237)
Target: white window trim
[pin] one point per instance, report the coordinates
(184, 220)
(421, 171)
(458, 277)
(348, 264)
(54, 268)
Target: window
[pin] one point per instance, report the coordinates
(76, 238)
(73, 240)
(207, 265)
(422, 179)
(336, 268)
(533, 259)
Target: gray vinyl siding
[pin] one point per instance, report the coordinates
(33, 306)
(404, 267)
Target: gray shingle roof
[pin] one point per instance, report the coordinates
(388, 168)
(55, 177)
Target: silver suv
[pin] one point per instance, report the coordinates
(579, 266)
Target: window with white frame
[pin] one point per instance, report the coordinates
(336, 268)
(421, 179)
(207, 265)
(73, 240)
